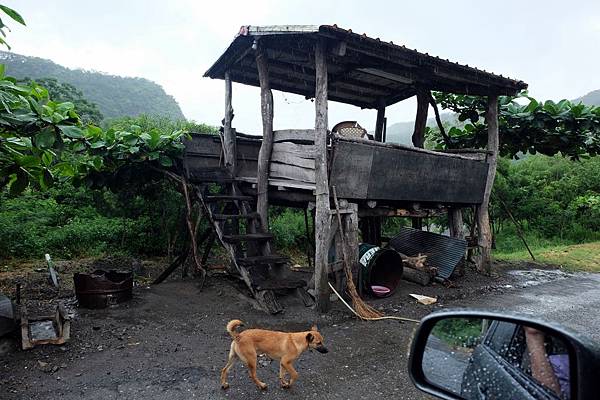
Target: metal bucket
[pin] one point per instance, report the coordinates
(103, 288)
(379, 267)
(8, 322)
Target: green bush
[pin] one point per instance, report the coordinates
(74, 222)
(288, 227)
(556, 199)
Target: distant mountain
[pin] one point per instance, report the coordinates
(116, 96)
(401, 132)
(591, 99)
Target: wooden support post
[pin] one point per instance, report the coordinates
(351, 230)
(323, 212)
(483, 217)
(229, 141)
(380, 122)
(309, 246)
(264, 155)
(418, 137)
(384, 129)
(455, 225)
(372, 225)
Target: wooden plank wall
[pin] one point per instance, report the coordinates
(397, 174)
(292, 159)
(293, 156)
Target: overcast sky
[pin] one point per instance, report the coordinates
(554, 46)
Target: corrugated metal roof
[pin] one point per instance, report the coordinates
(362, 71)
(443, 252)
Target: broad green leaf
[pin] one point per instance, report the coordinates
(97, 144)
(46, 179)
(65, 169)
(165, 161)
(18, 185)
(97, 163)
(71, 131)
(13, 14)
(2, 41)
(92, 131)
(47, 158)
(28, 161)
(45, 138)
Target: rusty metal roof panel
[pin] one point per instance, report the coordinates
(443, 252)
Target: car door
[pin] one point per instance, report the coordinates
(494, 370)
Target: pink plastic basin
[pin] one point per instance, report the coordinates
(380, 290)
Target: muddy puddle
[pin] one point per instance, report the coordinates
(534, 277)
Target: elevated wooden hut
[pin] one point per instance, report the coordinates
(301, 167)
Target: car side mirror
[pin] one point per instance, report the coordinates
(466, 354)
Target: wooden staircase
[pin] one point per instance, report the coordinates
(249, 246)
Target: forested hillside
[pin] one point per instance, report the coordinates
(115, 96)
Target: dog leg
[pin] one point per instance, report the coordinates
(225, 370)
(287, 364)
(251, 362)
(284, 383)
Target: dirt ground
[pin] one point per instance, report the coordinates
(170, 342)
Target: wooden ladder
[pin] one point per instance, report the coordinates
(250, 252)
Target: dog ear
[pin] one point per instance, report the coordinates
(314, 327)
(310, 337)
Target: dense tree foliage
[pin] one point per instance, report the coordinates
(116, 96)
(552, 197)
(33, 132)
(88, 112)
(41, 138)
(548, 128)
(115, 200)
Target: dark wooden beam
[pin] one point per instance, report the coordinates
(437, 69)
(323, 213)
(264, 155)
(288, 72)
(306, 69)
(380, 121)
(249, 78)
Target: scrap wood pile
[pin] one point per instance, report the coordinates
(416, 269)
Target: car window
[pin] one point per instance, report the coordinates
(508, 341)
(501, 339)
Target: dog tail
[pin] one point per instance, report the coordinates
(232, 326)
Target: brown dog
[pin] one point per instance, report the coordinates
(284, 346)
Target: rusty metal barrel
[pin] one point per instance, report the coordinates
(101, 289)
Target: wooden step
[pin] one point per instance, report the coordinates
(250, 237)
(222, 197)
(270, 259)
(224, 217)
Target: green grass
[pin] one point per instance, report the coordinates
(458, 332)
(575, 257)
